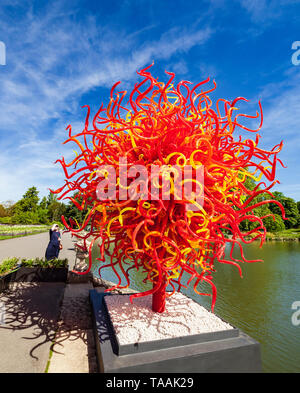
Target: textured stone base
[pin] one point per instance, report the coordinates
(136, 323)
(228, 350)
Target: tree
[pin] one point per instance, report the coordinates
(290, 207)
(8, 204)
(276, 225)
(51, 198)
(56, 210)
(260, 211)
(9, 207)
(43, 203)
(28, 210)
(3, 212)
(25, 218)
(43, 215)
(71, 211)
(29, 201)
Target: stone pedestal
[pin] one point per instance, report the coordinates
(80, 266)
(220, 351)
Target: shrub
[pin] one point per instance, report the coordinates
(5, 220)
(27, 262)
(41, 262)
(25, 218)
(7, 265)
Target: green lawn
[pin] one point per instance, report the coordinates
(12, 231)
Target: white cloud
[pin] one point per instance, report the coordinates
(281, 104)
(179, 68)
(282, 116)
(52, 60)
(266, 10)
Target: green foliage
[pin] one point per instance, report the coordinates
(28, 210)
(260, 211)
(293, 233)
(51, 198)
(10, 229)
(29, 202)
(49, 210)
(56, 210)
(27, 262)
(43, 204)
(298, 207)
(43, 215)
(9, 207)
(290, 207)
(276, 225)
(3, 211)
(5, 220)
(26, 218)
(40, 262)
(73, 212)
(8, 265)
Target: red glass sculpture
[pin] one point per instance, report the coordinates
(168, 126)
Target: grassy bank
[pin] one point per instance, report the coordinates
(288, 234)
(12, 231)
(21, 235)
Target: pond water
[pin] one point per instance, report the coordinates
(260, 303)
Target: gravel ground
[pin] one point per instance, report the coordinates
(138, 323)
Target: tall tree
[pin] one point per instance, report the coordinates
(290, 207)
(29, 201)
(43, 203)
(51, 198)
(56, 210)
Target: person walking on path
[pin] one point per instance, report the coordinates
(55, 244)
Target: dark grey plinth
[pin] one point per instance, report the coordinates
(227, 351)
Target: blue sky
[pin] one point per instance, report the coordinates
(61, 55)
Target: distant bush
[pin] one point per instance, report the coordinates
(25, 218)
(5, 220)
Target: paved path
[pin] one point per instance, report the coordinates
(29, 320)
(34, 246)
(38, 317)
(74, 345)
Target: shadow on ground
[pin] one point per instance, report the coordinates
(32, 319)
(75, 324)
